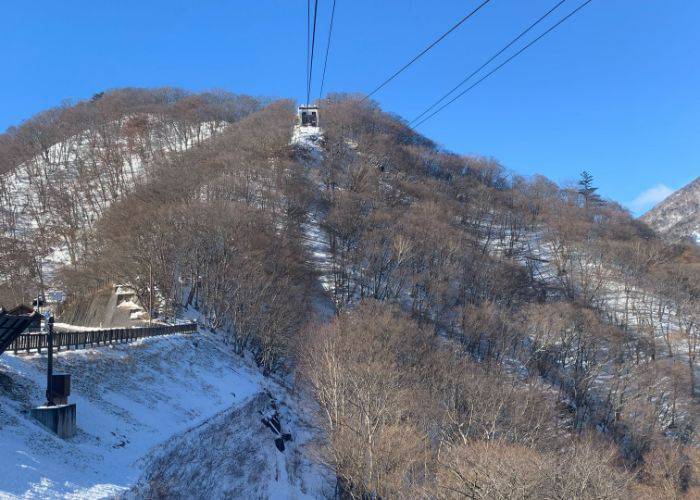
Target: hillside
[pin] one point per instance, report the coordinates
(451, 328)
(60, 171)
(678, 216)
(136, 404)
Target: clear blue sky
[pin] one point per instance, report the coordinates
(614, 90)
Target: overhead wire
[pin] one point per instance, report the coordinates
(425, 50)
(308, 43)
(311, 58)
(489, 61)
(328, 48)
(530, 44)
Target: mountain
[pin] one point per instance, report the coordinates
(678, 215)
(451, 329)
(63, 168)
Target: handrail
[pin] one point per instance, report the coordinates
(27, 342)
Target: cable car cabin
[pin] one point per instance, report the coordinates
(307, 133)
(308, 116)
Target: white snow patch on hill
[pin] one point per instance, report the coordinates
(678, 216)
(135, 399)
(307, 137)
(72, 183)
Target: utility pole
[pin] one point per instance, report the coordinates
(57, 414)
(49, 371)
(150, 294)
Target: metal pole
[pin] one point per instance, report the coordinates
(49, 371)
(150, 293)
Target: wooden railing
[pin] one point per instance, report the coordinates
(27, 342)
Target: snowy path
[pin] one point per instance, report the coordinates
(317, 243)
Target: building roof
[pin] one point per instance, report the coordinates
(13, 325)
(21, 309)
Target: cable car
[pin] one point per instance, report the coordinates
(307, 116)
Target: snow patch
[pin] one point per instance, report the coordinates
(132, 400)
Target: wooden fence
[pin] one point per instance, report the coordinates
(27, 342)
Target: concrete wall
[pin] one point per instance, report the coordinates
(61, 420)
(103, 309)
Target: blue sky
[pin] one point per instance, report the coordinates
(614, 90)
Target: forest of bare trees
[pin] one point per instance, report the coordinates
(60, 170)
(492, 336)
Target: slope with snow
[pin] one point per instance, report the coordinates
(141, 403)
(62, 192)
(678, 216)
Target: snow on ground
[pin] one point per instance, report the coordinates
(640, 311)
(307, 137)
(317, 242)
(90, 170)
(66, 327)
(316, 239)
(236, 456)
(140, 402)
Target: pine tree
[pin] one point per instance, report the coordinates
(586, 188)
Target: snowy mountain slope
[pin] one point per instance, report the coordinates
(94, 166)
(132, 400)
(678, 216)
(63, 191)
(231, 454)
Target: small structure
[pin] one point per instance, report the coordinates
(112, 306)
(307, 116)
(57, 414)
(34, 324)
(59, 419)
(21, 309)
(60, 388)
(11, 326)
(307, 131)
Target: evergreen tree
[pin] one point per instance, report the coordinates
(586, 188)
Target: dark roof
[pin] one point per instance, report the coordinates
(11, 326)
(21, 309)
